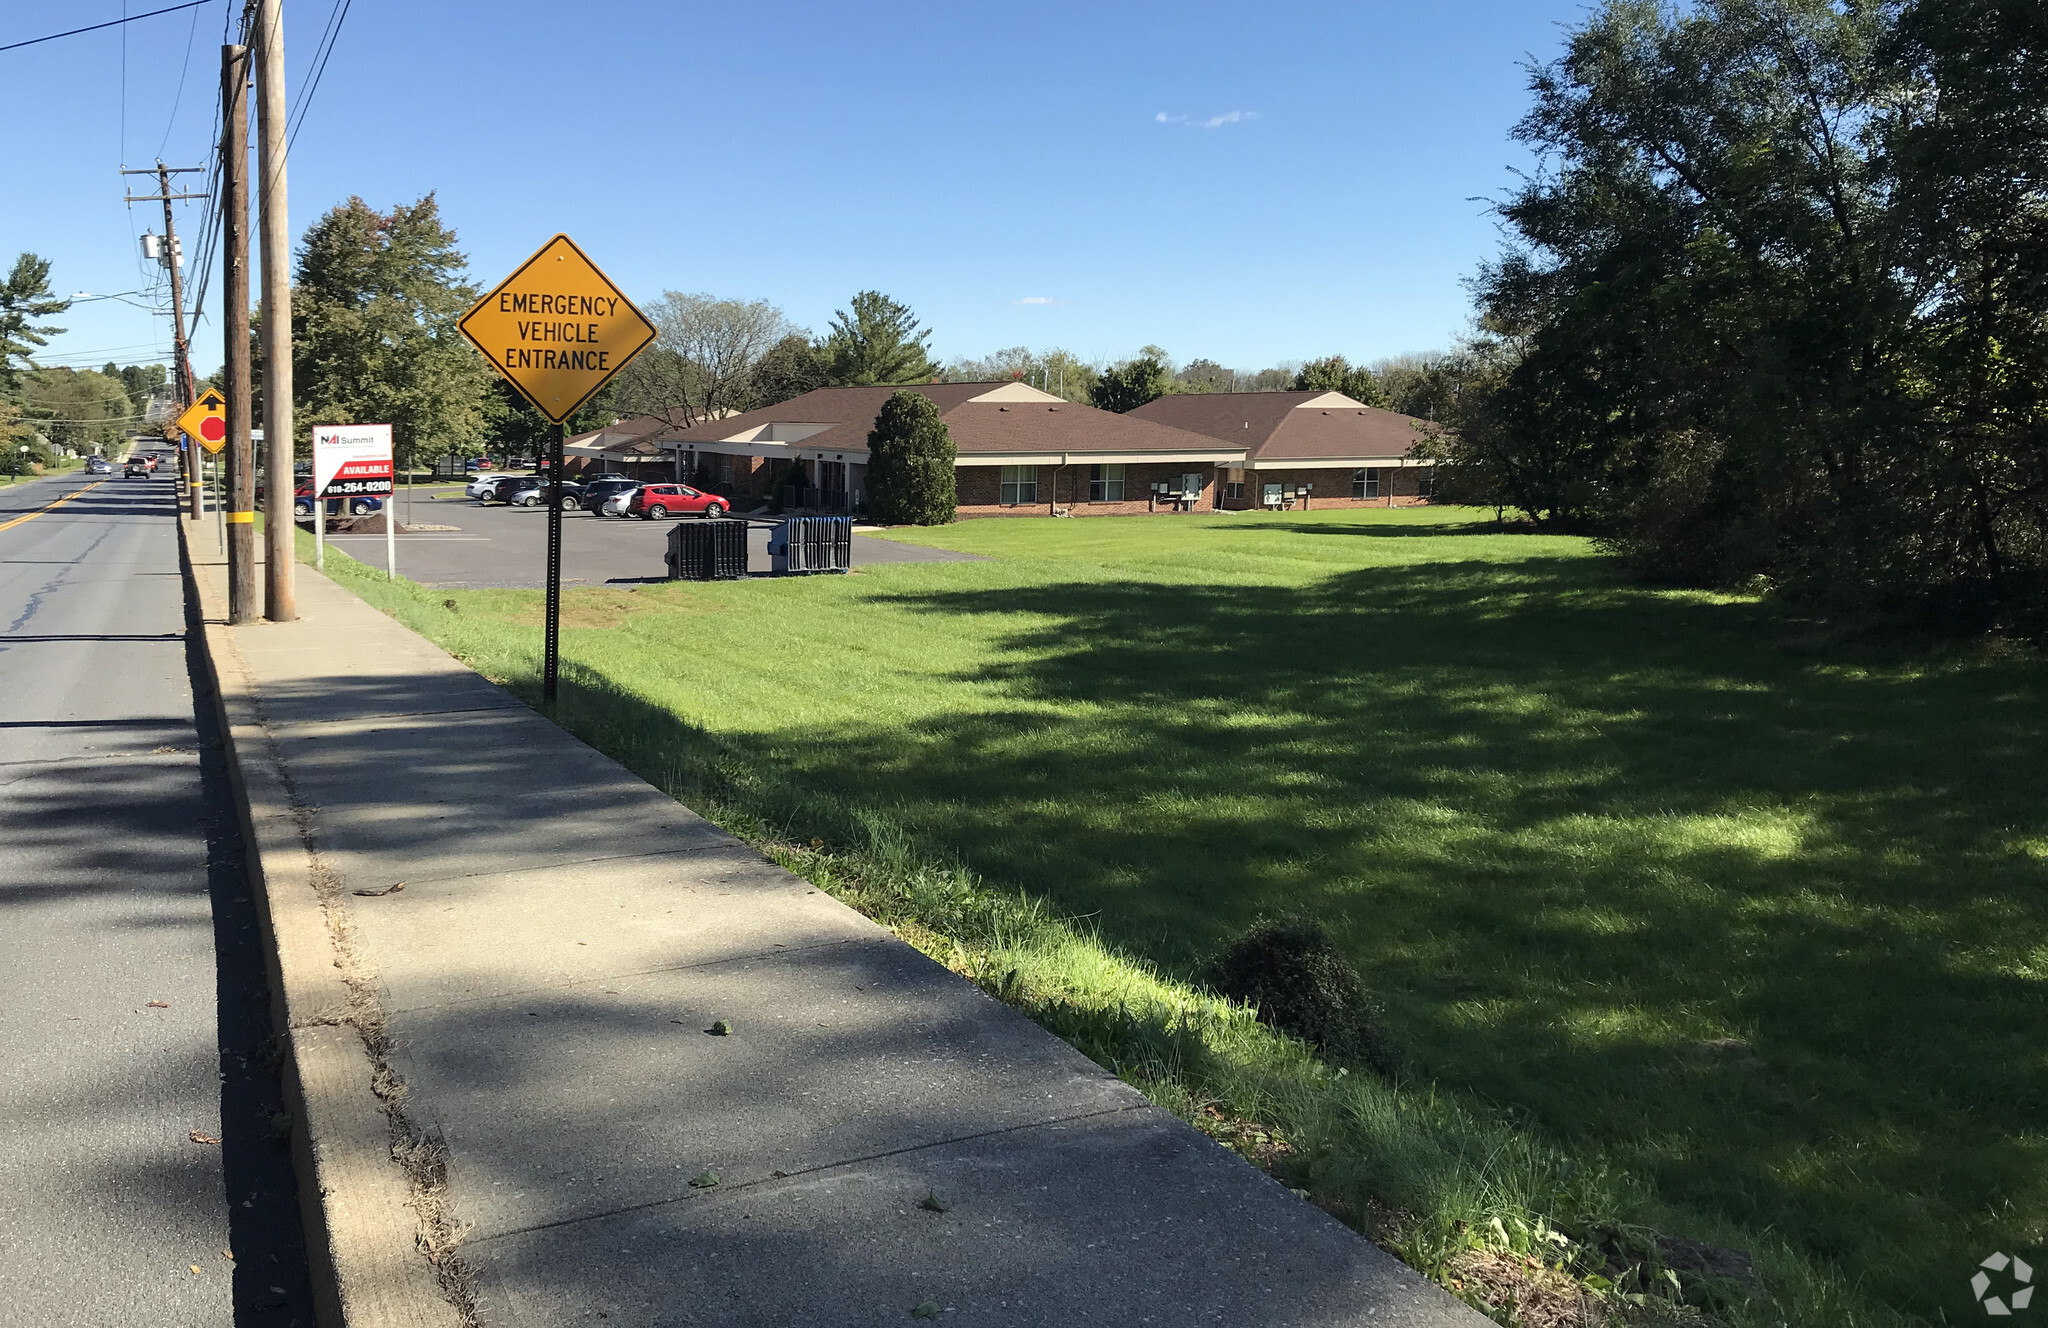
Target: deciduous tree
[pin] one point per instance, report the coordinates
(1131, 384)
(703, 360)
(1337, 374)
(78, 409)
(1780, 296)
(793, 366)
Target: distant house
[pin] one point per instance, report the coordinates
(626, 447)
(1319, 448)
(1022, 452)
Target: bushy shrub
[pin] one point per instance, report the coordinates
(910, 464)
(1291, 972)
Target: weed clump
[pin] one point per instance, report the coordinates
(1291, 972)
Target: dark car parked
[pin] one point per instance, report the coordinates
(596, 491)
(359, 505)
(505, 488)
(532, 491)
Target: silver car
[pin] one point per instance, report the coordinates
(479, 484)
(617, 504)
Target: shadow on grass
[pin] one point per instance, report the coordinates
(1759, 929)
(1381, 530)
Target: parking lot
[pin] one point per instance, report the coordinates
(506, 547)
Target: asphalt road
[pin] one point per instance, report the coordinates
(133, 1012)
(501, 546)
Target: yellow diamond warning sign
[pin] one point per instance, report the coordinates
(206, 421)
(557, 328)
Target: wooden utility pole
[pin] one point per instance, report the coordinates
(280, 598)
(234, 233)
(181, 365)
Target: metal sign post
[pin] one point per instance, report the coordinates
(205, 422)
(557, 329)
(551, 653)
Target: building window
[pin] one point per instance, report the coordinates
(1365, 483)
(1020, 485)
(1233, 489)
(1105, 484)
(1425, 481)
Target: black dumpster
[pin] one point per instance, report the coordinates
(805, 544)
(707, 550)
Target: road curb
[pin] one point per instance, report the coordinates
(355, 1198)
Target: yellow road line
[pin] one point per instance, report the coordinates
(59, 503)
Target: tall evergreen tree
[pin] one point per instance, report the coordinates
(910, 464)
(877, 341)
(374, 308)
(25, 298)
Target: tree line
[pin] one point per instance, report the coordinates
(47, 408)
(1774, 311)
(376, 296)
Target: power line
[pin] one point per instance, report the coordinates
(111, 23)
(326, 35)
(307, 101)
(184, 70)
(209, 233)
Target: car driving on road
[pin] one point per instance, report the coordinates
(136, 468)
(657, 502)
(99, 466)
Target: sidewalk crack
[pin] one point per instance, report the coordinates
(815, 1170)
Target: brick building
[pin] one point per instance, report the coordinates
(1321, 449)
(625, 448)
(1022, 452)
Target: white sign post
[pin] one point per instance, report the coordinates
(353, 461)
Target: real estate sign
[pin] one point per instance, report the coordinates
(557, 328)
(351, 460)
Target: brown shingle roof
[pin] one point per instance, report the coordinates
(1284, 426)
(987, 427)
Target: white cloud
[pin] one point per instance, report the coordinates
(1213, 122)
(1040, 299)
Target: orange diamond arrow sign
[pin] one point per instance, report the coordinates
(205, 421)
(557, 328)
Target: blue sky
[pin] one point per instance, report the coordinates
(1251, 184)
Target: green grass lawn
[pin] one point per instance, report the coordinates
(1747, 917)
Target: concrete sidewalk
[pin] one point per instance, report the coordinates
(506, 1064)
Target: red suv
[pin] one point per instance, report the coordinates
(656, 502)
